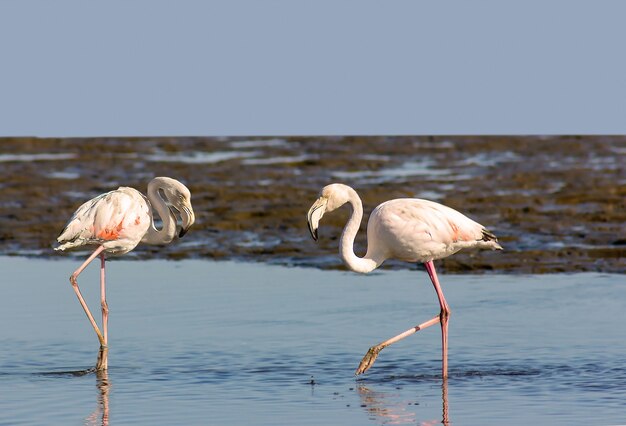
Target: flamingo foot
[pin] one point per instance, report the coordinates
(103, 359)
(368, 359)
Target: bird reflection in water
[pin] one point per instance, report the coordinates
(444, 410)
(380, 406)
(100, 416)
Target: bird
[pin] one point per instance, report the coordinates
(115, 223)
(407, 229)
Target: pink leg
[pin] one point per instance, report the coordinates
(102, 356)
(103, 302)
(444, 317)
(372, 353)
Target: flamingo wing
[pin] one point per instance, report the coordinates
(121, 216)
(422, 230)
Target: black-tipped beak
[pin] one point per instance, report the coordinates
(314, 215)
(188, 219)
(313, 232)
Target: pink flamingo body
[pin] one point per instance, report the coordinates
(407, 229)
(115, 222)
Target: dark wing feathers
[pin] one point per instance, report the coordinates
(489, 236)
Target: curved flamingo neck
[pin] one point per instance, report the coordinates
(346, 245)
(168, 231)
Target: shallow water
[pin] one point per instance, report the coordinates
(204, 342)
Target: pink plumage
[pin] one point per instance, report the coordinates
(416, 230)
(118, 220)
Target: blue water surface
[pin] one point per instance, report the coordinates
(204, 342)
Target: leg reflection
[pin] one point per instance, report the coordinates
(385, 407)
(391, 408)
(100, 415)
(444, 400)
(103, 398)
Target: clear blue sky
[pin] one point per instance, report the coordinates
(148, 67)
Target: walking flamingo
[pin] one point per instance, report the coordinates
(115, 222)
(407, 229)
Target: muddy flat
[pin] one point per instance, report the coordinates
(556, 203)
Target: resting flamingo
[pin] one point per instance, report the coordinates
(407, 229)
(115, 222)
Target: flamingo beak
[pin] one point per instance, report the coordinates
(315, 214)
(188, 217)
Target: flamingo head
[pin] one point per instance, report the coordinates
(179, 198)
(331, 197)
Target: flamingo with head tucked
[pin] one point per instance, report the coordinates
(115, 222)
(407, 229)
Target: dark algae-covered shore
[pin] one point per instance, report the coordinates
(557, 204)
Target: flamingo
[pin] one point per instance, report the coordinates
(115, 222)
(408, 229)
